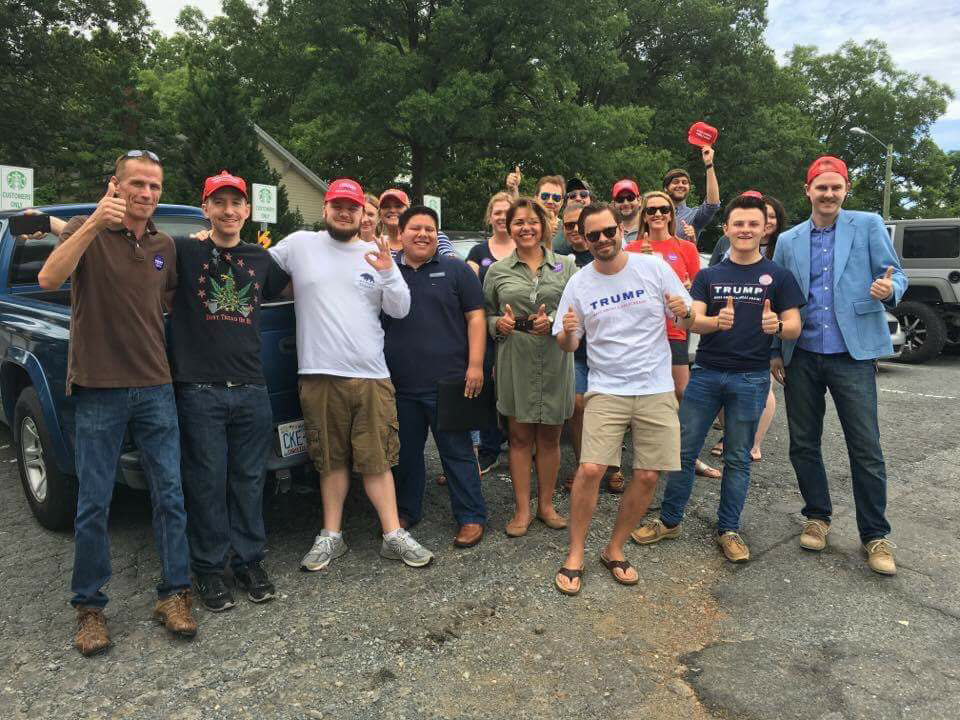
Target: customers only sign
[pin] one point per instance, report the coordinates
(16, 187)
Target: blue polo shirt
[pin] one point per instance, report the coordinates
(430, 343)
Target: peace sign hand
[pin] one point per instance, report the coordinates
(380, 259)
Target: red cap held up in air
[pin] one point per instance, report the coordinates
(701, 134)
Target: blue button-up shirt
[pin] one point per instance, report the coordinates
(821, 333)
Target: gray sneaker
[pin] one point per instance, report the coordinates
(325, 549)
(403, 547)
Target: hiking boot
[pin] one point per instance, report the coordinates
(174, 611)
(325, 550)
(733, 546)
(488, 461)
(213, 592)
(403, 547)
(92, 636)
(880, 556)
(654, 531)
(253, 579)
(814, 535)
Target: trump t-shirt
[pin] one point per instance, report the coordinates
(744, 347)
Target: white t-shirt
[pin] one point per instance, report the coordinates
(622, 317)
(338, 297)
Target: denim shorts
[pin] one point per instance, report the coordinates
(580, 374)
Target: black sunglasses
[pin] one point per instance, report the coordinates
(609, 232)
(557, 197)
(626, 197)
(662, 209)
(570, 226)
(142, 153)
(578, 195)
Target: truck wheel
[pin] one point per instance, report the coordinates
(925, 331)
(52, 495)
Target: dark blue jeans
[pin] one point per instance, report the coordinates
(741, 396)
(416, 413)
(102, 418)
(491, 440)
(853, 386)
(225, 437)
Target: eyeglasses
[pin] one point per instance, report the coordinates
(142, 153)
(570, 226)
(556, 197)
(608, 232)
(578, 195)
(662, 209)
(625, 197)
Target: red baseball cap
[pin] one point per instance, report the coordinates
(224, 179)
(701, 134)
(752, 193)
(345, 189)
(825, 164)
(397, 194)
(624, 185)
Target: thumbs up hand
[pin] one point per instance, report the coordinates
(507, 321)
(513, 179)
(725, 316)
(769, 321)
(676, 305)
(110, 210)
(571, 323)
(882, 287)
(541, 323)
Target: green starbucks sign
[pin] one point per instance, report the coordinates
(16, 187)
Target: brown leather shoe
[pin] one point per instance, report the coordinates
(92, 636)
(468, 535)
(174, 611)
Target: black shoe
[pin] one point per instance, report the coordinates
(213, 592)
(253, 579)
(488, 461)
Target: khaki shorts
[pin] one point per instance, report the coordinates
(350, 423)
(656, 430)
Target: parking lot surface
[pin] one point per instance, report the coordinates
(481, 633)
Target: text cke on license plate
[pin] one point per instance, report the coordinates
(293, 438)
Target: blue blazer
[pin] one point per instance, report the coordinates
(862, 253)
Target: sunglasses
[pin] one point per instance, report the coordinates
(556, 197)
(626, 197)
(570, 226)
(608, 232)
(578, 195)
(662, 209)
(142, 153)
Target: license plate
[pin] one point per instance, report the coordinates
(293, 438)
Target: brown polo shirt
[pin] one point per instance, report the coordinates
(116, 300)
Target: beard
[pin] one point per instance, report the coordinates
(343, 234)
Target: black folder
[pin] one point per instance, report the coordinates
(456, 413)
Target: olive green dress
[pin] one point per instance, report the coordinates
(534, 376)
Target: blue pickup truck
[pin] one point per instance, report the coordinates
(34, 332)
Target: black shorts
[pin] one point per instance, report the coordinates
(680, 351)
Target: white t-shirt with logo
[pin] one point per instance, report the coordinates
(338, 297)
(622, 318)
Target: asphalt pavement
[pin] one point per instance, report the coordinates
(481, 633)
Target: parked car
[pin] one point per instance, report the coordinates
(34, 335)
(929, 311)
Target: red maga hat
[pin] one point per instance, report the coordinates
(224, 179)
(701, 134)
(752, 193)
(396, 194)
(344, 189)
(623, 186)
(825, 164)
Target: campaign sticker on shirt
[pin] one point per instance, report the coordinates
(366, 281)
(558, 267)
(486, 262)
(672, 256)
(158, 261)
(765, 280)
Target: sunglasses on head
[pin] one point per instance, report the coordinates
(578, 194)
(556, 197)
(142, 153)
(654, 209)
(608, 232)
(626, 197)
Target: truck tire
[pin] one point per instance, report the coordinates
(51, 494)
(925, 330)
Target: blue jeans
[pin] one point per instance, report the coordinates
(225, 436)
(853, 386)
(416, 412)
(492, 439)
(102, 418)
(741, 396)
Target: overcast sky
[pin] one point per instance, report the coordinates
(922, 37)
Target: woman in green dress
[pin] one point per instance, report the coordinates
(534, 377)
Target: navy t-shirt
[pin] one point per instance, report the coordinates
(430, 343)
(744, 347)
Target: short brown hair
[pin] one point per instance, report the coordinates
(595, 208)
(673, 175)
(531, 204)
(124, 159)
(671, 227)
(553, 179)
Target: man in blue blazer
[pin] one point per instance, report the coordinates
(849, 273)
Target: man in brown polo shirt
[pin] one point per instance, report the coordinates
(120, 267)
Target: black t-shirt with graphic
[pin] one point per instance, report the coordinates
(744, 347)
(215, 317)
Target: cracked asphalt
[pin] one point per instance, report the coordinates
(481, 633)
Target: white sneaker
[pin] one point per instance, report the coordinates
(325, 549)
(402, 546)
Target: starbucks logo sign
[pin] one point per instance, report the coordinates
(265, 196)
(16, 180)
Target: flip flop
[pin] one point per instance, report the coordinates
(571, 575)
(704, 470)
(623, 565)
(616, 483)
(717, 450)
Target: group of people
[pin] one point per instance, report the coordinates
(577, 310)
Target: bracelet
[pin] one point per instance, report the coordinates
(707, 167)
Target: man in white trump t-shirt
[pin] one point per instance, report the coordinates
(341, 284)
(619, 302)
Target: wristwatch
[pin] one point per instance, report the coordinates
(779, 326)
